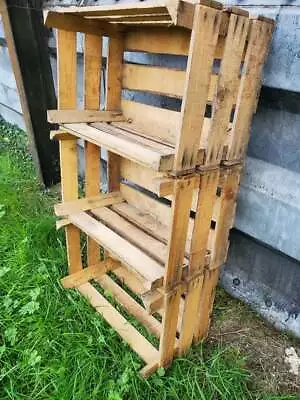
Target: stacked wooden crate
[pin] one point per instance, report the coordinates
(162, 229)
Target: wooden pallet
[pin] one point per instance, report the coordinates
(163, 225)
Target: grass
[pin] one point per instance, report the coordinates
(53, 345)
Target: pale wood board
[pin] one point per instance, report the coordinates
(120, 249)
(75, 116)
(203, 42)
(131, 306)
(87, 203)
(227, 88)
(127, 332)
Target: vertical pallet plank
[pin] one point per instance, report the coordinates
(113, 102)
(201, 54)
(92, 80)
(206, 200)
(181, 205)
(67, 99)
(258, 46)
(229, 182)
(227, 87)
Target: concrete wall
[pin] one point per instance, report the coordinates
(263, 266)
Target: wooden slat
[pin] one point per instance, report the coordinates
(257, 50)
(202, 321)
(148, 214)
(87, 203)
(153, 247)
(181, 205)
(131, 306)
(203, 42)
(92, 153)
(135, 148)
(113, 102)
(75, 116)
(74, 23)
(67, 96)
(153, 121)
(160, 40)
(127, 332)
(86, 274)
(121, 249)
(227, 87)
(199, 245)
(165, 81)
(66, 70)
(156, 7)
(134, 282)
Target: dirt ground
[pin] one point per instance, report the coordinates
(234, 323)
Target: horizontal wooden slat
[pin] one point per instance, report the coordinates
(154, 121)
(135, 148)
(130, 304)
(74, 116)
(153, 247)
(136, 341)
(75, 23)
(165, 81)
(120, 248)
(161, 40)
(87, 203)
(134, 8)
(86, 274)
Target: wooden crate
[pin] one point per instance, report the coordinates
(163, 225)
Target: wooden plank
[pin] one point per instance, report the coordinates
(257, 50)
(149, 245)
(87, 203)
(121, 249)
(113, 102)
(75, 116)
(66, 70)
(162, 40)
(227, 88)
(67, 96)
(89, 273)
(134, 282)
(165, 81)
(148, 214)
(74, 23)
(135, 148)
(154, 7)
(154, 121)
(202, 321)
(202, 47)
(127, 332)
(130, 305)
(181, 206)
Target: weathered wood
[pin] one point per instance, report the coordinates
(67, 96)
(113, 101)
(138, 149)
(74, 23)
(227, 88)
(87, 203)
(92, 152)
(34, 81)
(258, 45)
(89, 273)
(75, 116)
(120, 249)
(127, 332)
(202, 47)
(131, 306)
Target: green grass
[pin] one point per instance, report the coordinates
(53, 345)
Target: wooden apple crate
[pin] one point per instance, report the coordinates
(172, 175)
